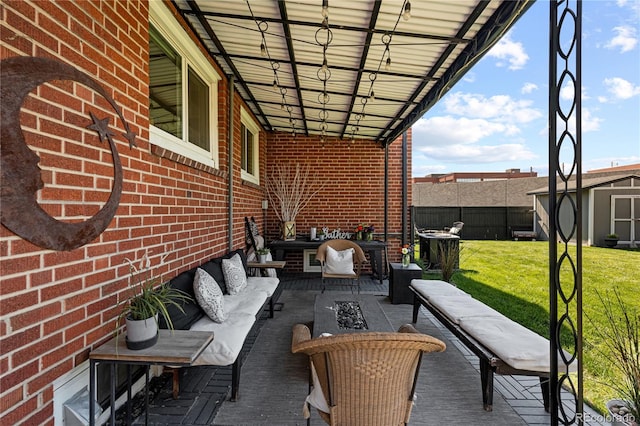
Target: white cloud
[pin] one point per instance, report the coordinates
(625, 39)
(621, 88)
(509, 51)
(501, 108)
(479, 153)
(528, 88)
(448, 130)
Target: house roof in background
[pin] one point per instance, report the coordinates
(429, 53)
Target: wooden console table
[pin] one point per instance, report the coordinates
(177, 348)
(373, 248)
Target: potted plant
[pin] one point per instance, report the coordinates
(321, 234)
(147, 298)
(289, 191)
(620, 342)
(611, 240)
(262, 254)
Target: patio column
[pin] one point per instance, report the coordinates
(565, 220)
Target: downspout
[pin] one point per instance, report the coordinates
(386, 193)
(405, 203)
(230, 168)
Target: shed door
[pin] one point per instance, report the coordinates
(625, 218)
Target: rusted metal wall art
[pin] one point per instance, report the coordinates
(20, 174)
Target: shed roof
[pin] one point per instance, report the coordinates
(589, 182)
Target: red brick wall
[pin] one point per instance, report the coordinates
(354, 185)
(57, 306)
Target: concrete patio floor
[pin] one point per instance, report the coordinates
(204, 391)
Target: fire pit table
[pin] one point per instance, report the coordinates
(337, 313)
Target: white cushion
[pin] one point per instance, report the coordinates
(246, 302)
(234, 274)
(266, 284)
(516, 345)
(428, 288)
(228, 338)
(316, 398)
(339, 262)
(209, 295)
(458, 307)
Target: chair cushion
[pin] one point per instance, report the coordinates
(192, 311)
(339, 262)
(209, 296)
(266, 284)
(457, 308)
(234, 274)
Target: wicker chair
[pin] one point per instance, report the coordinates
(366, 378)
(358, 259)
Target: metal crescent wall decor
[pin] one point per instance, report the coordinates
(19, 170)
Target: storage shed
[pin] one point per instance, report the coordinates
(610, 204)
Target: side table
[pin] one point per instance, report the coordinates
(178, 347)
(399, 279)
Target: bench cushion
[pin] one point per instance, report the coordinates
(516, 345)
(458, 307)
(228, 338)
(428, 288)
(249, 303)
(266, 284)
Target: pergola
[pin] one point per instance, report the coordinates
(370, 69)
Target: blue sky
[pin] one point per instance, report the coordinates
(495, 118)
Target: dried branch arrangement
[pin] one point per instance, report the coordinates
(290, 189)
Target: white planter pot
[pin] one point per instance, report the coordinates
(617, 419)
(142, 334)
(262, 258)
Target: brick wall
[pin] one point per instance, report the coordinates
(56, 307)
(354, 185)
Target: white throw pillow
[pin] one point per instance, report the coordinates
(234, 274)
(339, 262)
(209, 295)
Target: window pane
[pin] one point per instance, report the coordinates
(165, 85)
(247, 149)
(198, 111)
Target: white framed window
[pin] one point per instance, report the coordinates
(183, 91)
(250, 147)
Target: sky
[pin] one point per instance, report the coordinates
(495, 118)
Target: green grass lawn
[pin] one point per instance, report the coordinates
(513, 278)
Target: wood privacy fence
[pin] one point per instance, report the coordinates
(480, 223)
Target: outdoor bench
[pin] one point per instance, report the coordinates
(531, 235)
(243, 311)
(502, 345)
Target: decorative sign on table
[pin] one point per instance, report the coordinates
(334, 235)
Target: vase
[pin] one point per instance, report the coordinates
(359, 235)
(368, 236)
(289, 230)
(262, 258)
(406, 260)
(141, 334)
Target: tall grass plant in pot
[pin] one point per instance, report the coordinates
(147, 297)
(619, 341)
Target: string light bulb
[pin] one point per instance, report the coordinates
(325, 8)
(324, 67)
(263, 50)
(275, 83)
(372, 96)
(407, 11)
(387, 64)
